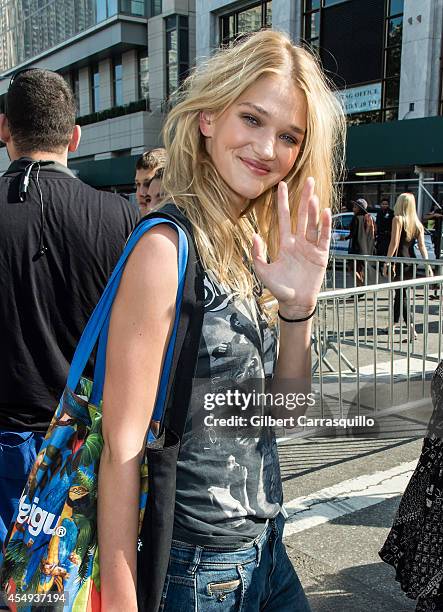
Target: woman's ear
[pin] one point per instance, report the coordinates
(206, 123)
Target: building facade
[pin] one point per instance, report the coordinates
(384, 58)
(125, 58)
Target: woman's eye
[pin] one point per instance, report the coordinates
(289, 139)
(250, 119)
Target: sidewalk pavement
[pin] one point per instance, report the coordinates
(337, 560)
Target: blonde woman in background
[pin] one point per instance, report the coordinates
(406, 230)
(255, 126)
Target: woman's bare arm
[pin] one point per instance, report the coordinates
(395, 241)
(141, 323)
(421, 244)
(395, 237)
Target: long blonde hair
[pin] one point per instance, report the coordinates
(190, 177)
(405, 209)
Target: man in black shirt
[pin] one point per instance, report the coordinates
(436, 215)
(60, 240)
(384, 227)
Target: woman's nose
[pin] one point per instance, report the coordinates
(265, 147)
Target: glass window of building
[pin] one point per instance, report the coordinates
(177, 51)
(250, 19)
(365, 67)
(72, 79)
(441, 88)
(392, 60)
(143, 75)
(155, 8)
(30, 27)
(75, 83)
(117, 78)
(133, 7)
(101, 8)
(95, 88)
(105, 9)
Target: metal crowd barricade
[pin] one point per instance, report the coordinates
(362, 365)
(342, 269)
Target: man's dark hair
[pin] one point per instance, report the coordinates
(150, 160)
(40, 107)
(385, 200)
(158, 174)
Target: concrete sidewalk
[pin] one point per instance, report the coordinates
(337, 561)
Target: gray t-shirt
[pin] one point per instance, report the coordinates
(228, 478)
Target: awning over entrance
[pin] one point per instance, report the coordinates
(106, 172)
(396, 144)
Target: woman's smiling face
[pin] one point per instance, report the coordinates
(254, 143)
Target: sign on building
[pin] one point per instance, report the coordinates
(361, 99)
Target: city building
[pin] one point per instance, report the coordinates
(384, 57)
(125, 58)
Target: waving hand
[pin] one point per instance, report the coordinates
(296, 275)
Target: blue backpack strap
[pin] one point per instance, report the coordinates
(97, 326)
(189, 331)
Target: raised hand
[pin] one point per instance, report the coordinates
(296, 275)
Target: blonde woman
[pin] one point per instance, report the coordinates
(406, 230)
(255, 125)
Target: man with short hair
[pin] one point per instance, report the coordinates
(436, 215)
(60, 240)
(145, 169)
(155, 191)
(384, 227)
(434, 220)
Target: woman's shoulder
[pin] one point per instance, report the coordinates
(158, 248)
(398, 223)
(171, 209)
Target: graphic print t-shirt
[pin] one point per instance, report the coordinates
(228, 478)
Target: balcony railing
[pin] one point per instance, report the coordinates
(115, 111)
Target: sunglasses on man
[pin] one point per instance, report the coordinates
(14, 76)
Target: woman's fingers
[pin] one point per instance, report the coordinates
(258, 250)
(302, 217)
(284, 215)
(312, 225)
(312, 232)
(325, 230)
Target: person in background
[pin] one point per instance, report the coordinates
(361, 236)
(60, 242)
(406, 229)
(436, 215)
(145, 169)
(155, 192)
(383, 224)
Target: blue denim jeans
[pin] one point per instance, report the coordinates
(257, 578)
(18, 451)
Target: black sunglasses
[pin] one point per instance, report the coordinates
(13, 78)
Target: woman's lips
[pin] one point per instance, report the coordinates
(258, 169)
